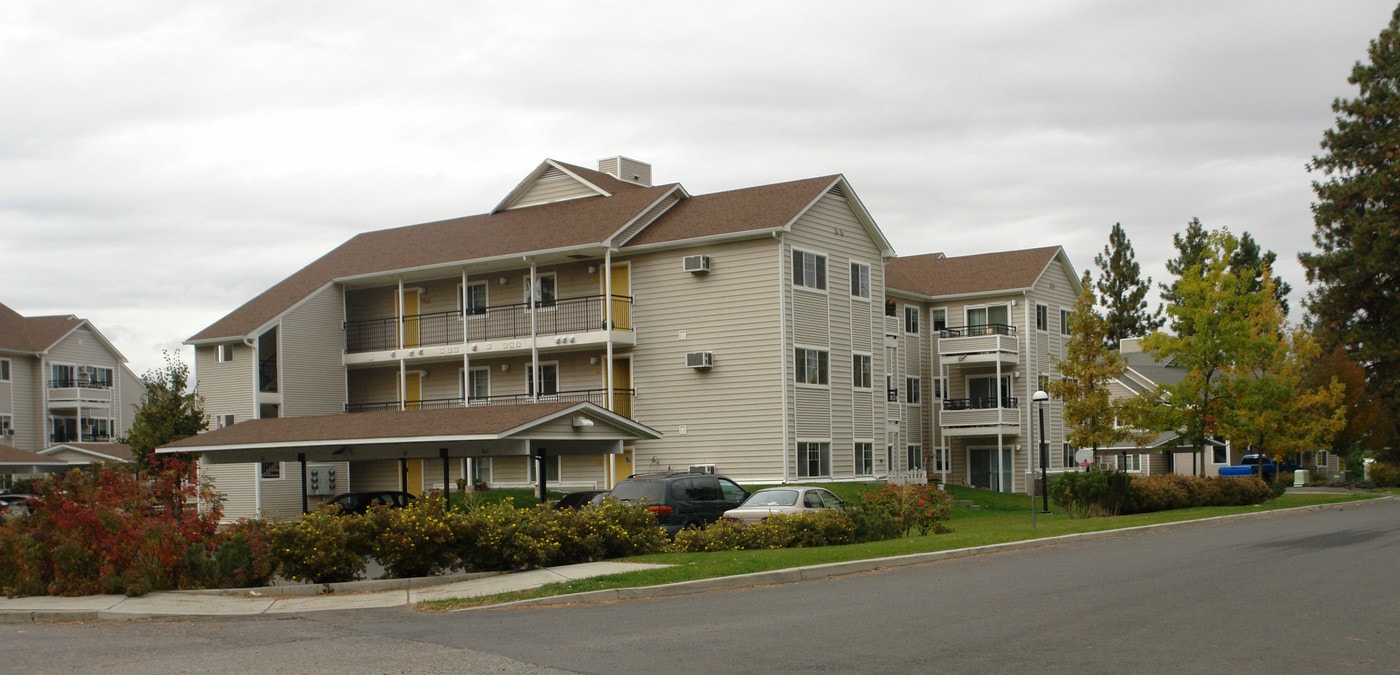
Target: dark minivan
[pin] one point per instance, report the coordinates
(681, 499)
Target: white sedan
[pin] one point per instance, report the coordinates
(789, 499)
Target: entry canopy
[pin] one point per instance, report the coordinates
(562, 428)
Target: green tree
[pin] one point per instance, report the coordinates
(1123, 290)
(1089, 365)
(1214, 300)
(170, 410)
(1355, 301)
(1190, 251)
(1249, 257)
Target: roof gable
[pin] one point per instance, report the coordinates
(35, 334)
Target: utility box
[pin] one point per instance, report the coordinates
(320, 480)
(1300, 478)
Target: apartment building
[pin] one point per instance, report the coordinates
(972, 338)
(66, 393)
(742, 331)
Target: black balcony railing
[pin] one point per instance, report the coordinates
(566, 315)
(66, 437)
(989, 403)
(597, 396)
(267, 374)
(978, 329)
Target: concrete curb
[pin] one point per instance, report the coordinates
(813, 572)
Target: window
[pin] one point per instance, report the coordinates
(1042, 317)
(809, 270)
(225, 353)
(480, 470)
(939, 318)
(1131, 462)
(221, 421)
(1066, 456)
(983, 392)
(914, 454)
(860, 281)
(544, 296)
(813, 459)
(4, 370)
(911, 320)
(97, 429)
(865, 459)
(100, 377)
(271, 470)
(940, 387)
(912, 390)
(860, 370)
(1064, 322)
(7, 425)
(549, 379)
(62, 375)
(810, 365)
(938, 464)
(1042, 383)
(1220, 455)
(473, 301)
(477, 384)
(987, 320)
(551, 469)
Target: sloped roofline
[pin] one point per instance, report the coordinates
(524, 186)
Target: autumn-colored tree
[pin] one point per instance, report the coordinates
(169, 410)
(1368, 427)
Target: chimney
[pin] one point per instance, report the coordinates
(627, 170)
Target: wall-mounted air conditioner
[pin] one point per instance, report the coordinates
(702, 468)
(696, 264)
(699, 359)
(9, 432)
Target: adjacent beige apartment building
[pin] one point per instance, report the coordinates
(754, 331)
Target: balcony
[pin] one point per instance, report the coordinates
(980, 416)
(74, 393)
(622, 399)
(578, 315)
(986, 343)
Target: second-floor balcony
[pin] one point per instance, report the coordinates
(984, 416)
(500, 322)
(69, 393)
(622, 400)
(980, 343)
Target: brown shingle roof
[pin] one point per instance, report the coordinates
(936, 275)
(443, 422)
(121, 451)
(34, 333)
(743, 210)
(12, 456)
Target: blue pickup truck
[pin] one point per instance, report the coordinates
(1252, 465)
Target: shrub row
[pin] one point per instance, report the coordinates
(1385, 474)
(1106, 493)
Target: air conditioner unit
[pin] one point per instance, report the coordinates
(702, 468)
(696, 264)
(699, 359)
(9, 432)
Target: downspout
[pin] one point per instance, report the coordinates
(610, 468)
(783, 347)
(1032, 381)
(252, 344)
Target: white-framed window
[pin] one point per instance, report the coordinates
(911, 319)
(860, 281)
(549, 378)
(1064, 322)
(940, 387)
(546, 294)
(913, 392)
(865, 458)
(811, 366)
(62, 375)
(479, 469)
(221, 421)
(860, 371)
(986, 320)
(1131, 462)
(939, 319)
(914, 455)
(476, 383)
(808, 270)
(4, 370)
(938, 464)
(474, 300)
(813, 458)
(225, 353)
(552, 466)
(1042, 317)
(270, 470)
(889, 457)
(984, 392)
(1042, 382)
(97, 429)
(7, 425)
(1219, 454)
(1066, 455)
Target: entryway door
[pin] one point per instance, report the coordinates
(982, 469)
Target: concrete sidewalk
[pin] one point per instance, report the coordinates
(295, 599)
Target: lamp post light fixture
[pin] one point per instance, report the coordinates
(1042, 398)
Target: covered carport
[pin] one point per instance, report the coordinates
(536, 430)
(16, 462)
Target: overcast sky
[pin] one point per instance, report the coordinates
(162, 162)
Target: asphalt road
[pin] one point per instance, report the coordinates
(1313, 591)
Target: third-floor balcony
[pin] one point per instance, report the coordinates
(984, 343)
(75, 392)
(499, 328)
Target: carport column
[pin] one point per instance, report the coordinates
(540, 457)
(446, 476)
(403, 474)
(301, 457)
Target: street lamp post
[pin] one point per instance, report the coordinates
(1041, 398)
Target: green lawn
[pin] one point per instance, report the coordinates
(992, 518)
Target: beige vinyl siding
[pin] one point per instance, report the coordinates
(553, 186)
(373, 385)
(228, 388)
(312, 377)
(236, 483)
(732, 413)
(128, 398)
(375, 475)
(28, 421)
(363, 304)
